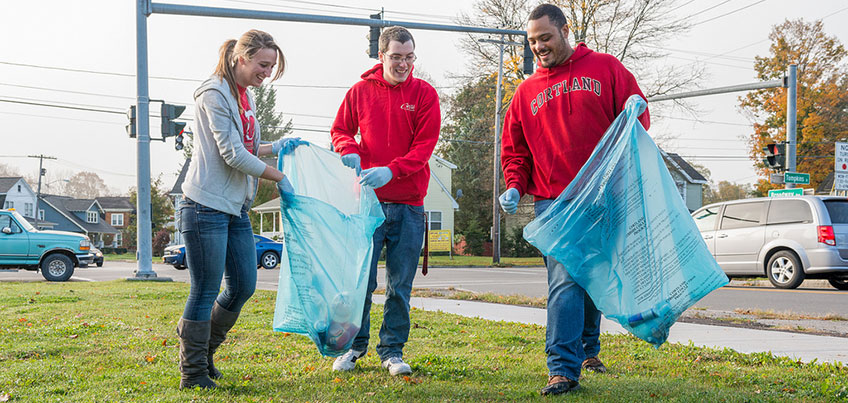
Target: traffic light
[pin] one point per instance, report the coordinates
(374, 39)
(775, 156)
(178, 140)
(169, 113)
(131, 126)
(528, 58)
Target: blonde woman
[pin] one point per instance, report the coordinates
(219, 189)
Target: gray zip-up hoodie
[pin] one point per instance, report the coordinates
(222, 174)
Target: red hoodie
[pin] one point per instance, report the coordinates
(558, 115)
(399, 127)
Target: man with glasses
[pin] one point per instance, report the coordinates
(398, 119)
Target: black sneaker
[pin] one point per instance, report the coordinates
(558, 385)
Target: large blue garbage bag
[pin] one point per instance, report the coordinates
(624, 234)
(328, 226)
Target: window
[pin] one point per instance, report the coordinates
(742, 215)
(789, 211)
(27, 209)
(91, 217)
(118, 239)
(706, 219)
(838, 211)
(6, 221)
(435, 219)
(19, 188)
(9, 204)
(41, 214)
(117, 219)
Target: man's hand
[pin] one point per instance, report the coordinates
(376, 177)
(284, 186)
(352, 161)
(509, 200)
(287, 144)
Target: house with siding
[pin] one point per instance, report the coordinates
(117, 211)
(84, 216)
(15, 193)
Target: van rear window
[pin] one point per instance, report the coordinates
(838, 210)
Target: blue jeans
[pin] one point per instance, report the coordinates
(403, 235)
(573, 320)
(217, 245)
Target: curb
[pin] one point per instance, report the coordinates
(766, 283)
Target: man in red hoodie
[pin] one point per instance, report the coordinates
(555, 120)
(398, 119)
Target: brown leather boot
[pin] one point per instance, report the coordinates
(594, 364)
(222, 321)
(194, 345)
(558, 384)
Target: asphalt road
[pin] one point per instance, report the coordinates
(505, 281)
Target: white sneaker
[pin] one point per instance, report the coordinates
(347, 362)
(396, 366)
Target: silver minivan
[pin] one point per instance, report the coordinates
(787, 239)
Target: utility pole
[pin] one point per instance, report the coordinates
(496, 165)
(791, 117)
(41, 171)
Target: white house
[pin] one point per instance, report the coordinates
(15, 193)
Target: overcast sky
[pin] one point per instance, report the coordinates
(82, 54)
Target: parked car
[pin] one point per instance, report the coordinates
(267, 253)
(786, 239)
(98, 256)
(55, 253)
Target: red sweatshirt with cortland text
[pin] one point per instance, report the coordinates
(558, 115)
(399, 127)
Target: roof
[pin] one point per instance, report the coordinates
(78, 204)
(7, 182)
(115, 203)
(444, 162)
(270, 205)
(826, 185)
(60, 204)
(691, 174)
(178, 185)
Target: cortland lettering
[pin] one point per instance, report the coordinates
(554, 91)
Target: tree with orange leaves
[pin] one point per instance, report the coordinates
(822, 99)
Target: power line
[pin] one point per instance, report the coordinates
(702, 11)
(706, 121)
(67, 91)
(62, 106)
(728, 13)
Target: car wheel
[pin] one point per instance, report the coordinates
(57, 267)
(784, 270)
(179, 267)
(840, 283)
(100, 264)
(269, 260)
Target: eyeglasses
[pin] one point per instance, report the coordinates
(409, 59)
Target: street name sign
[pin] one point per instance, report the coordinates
(795, 177)
(786, 192)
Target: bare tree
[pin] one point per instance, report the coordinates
(85, 185)
(8, 170)
(631, 30)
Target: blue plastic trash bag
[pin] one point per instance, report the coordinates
(623, 233)
(328, 226)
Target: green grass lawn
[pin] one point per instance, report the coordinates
(480, 261)
(115, 341)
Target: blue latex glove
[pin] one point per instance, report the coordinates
(509, 200)
(376, 177)
(284, 186)
(287, 144)
(352, 161)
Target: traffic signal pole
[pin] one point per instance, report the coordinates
(791, 118)
(144, 239)
(789, 81)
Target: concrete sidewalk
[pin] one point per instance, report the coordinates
(797, 346)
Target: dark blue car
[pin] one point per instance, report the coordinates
(267, 253)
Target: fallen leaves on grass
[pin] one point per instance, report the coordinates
(337, 380)
(150, 358)
(5, 397)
